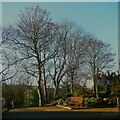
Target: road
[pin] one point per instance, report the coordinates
(59, 115)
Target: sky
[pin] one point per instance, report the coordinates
(97, 18)
(61, 0)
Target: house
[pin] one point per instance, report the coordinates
(89, 83)
(102, 78)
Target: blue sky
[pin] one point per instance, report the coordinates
(98, 18)
(60, 0)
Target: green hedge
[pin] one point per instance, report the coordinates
(93, 101)
(33, 100)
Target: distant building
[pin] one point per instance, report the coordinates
(89, 84)
(104, 77)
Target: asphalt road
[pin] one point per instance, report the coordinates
(59, 115)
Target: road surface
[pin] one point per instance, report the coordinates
(59, 115)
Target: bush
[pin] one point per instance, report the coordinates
(99, 100)
(60, 101)
(63, 95)
(93, 101)
(68, 95)
(33, 100)
(77, 93)
(65, 103)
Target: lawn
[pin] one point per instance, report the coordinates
(50, 108)
(55, 109)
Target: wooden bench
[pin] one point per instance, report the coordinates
(76, 101)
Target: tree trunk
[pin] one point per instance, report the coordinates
(95, 86)
(72, 86)
(56, 91)
(39, 85)
(45, 86)
(39, 95)
(68, 87)
(96, 91)
(29, 96)
(118, 102)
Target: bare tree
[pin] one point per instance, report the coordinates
(39, 47)
(9, 58)
(98, 58)
(34, 31)
(69, 55)
(76, 55)
(58, 63)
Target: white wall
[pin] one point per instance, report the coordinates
(89, 84)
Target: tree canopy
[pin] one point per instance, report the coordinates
(52, 53)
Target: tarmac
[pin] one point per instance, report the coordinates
(60, 115)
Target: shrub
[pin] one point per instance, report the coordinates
(65, 103)
(60, 101)
(93, 101)
(86, 100)
(99, 100)
(77, 93)
(33, 100)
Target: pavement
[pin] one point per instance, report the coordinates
(60, 115)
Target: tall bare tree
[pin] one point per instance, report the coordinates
(33, 32)
(69, 55)
(40, 47)
(98, 58)
(76, 55)
(58, 69)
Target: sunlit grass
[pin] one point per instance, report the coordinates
(56, 109)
